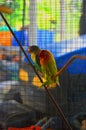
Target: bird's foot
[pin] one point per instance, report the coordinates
(44, 84)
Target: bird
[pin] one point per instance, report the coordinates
(34, 52)
(45, 62)
(49, 69)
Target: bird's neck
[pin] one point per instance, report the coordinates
(33, 56)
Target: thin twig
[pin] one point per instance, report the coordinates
(61, 114)
(69, 62)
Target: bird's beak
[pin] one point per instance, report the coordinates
(29, 51)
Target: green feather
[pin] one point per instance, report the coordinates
(49, 72)
(37, 66)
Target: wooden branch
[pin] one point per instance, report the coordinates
(5, 9)
(68, 63)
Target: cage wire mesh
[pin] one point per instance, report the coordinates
(58, 26)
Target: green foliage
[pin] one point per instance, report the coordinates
(49, 10)
(48, 15)
(16, 18)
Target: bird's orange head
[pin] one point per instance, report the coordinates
(43, 54)
(44, 57)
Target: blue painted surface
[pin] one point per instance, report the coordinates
(22, 37)
(78, 66)
(44, 37)
(62, 50)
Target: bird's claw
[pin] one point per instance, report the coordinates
(44, 84)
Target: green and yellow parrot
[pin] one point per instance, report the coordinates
(46, 62)
(49, 68)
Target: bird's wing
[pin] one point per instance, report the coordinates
(52, 65)
(37, 60)
(37, 63)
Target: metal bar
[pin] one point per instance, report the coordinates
(59, 111)
(62, 19)
(33, 22)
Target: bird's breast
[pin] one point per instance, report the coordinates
(33, 57)
(44, 61)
